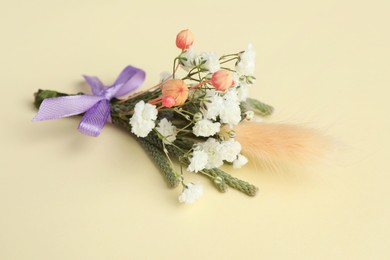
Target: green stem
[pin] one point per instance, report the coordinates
(174, 68)
(228, 55)
(162, 162)
(225, 61)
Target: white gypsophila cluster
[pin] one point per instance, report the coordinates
(236, 79)
(206, 128)
(231, 95)
(212, 154)
(240, 161)
(213, 104)
(230, 112)
(230, 149)
(143, 119)
(242, 92)
(198, 161)
(211, 61)
(226, 107)
(191, 193)
(188, 59)
(213, 149)
(205, 156)
(246, 66)
(167, 130)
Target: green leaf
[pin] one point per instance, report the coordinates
(259, 107)
(43, 94)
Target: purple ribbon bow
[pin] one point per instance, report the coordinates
(96, 106)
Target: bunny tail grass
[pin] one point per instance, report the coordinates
(269, 144)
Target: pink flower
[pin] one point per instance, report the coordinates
(184, 39)
(222, 80)
(168, 101)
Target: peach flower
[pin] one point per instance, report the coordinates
(177, 89)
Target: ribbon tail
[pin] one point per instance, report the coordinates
(95, 118)
(53, 108)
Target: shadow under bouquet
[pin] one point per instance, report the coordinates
(194, 123)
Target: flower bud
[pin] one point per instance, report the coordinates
(168, 101)
(249, 115)
(198, 116)
(232, 133)
(196, 147)
(222, 80)
(184, 39)
(176, 89)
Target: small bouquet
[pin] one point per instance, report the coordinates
(199, 117)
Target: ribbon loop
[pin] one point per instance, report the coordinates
(95, 84)
(129, 80)
(96, 106)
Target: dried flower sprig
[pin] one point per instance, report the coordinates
(193, 118)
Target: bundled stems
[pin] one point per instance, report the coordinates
(154, 146)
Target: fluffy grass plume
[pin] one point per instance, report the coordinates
(270, 144)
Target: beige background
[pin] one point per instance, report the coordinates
(67, 196)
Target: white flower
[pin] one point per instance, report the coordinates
(240, 161)
(230, 113)
(226, 107)
(191, 193)
(212, 62)
(189, 59)
(231, 95)
(167, 130)
(230, 149)
(212, 147)
(198, 161)
(142, 121)
(242, 92)
(246, 66)
(213, 103)
(205, 128)
(236, 79)
(230, 110)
